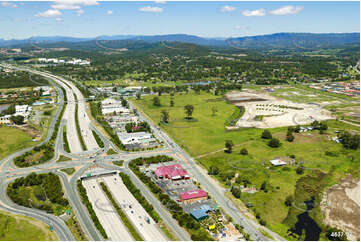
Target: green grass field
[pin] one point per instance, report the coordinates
(12, 140)
(20, 228)
(205, 140)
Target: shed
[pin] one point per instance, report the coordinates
(199, 214)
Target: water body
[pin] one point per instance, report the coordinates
(305, 222)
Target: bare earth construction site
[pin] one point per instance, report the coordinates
(265, 111)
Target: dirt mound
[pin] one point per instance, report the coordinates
(341, 207)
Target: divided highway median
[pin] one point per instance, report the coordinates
(121, 214)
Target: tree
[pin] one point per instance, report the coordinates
(274, 143)
(229, 145)
(138, 95)
(156, 101)
(300, 170)
(189, 110)
(18, 119)
(323, 126)
(290, 137)
(266, 134)
(264, 186)
(214, 110)
(289, 200)
(164, 116)
(172, 102)
(124, 103)
(297, 129)
(244, 151)
(236, 192)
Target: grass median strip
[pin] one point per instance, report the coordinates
(146, 205)
(98, 139)
(93, 216)
(121, 214)
(83, 146)
(65, 140)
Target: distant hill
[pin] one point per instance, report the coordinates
(279, 41)
(295, 40)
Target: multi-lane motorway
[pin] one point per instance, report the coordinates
(84, 159)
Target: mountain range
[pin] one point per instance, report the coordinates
(277, 40)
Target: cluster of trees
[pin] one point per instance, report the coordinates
(46, 186)
(18, 119)
(21, 79)
(184, 219)
(273, 142)
(9, 111)
(26, 159)
(136, 236)
(350, 141)
(188, 111)
(289, 135)
(93, 216)
(321, 126)
(240, 229)
(137, 127)
(95, 109)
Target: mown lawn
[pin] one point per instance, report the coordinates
(12, 140)
(20, 228)
(206, 132)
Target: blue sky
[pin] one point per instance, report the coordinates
(90, 18)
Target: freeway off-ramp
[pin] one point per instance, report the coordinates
(82, 159)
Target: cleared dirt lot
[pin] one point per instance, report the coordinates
(265, 111)
(105, 212)
(341, 207)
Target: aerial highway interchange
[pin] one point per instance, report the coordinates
(85, 159)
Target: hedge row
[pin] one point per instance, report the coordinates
(83, 146)
(93, 216)
(65, 140)
(140, 198)
(98, 139)
(240, 229)
(184, 219)
(96, 113)
(121, 214)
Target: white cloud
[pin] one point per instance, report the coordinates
(72, 4)
(65, 7)
(252, 13)
(228, 9)
(79, 12)
(151, 9)
(7, 4)
(109, 12)
(160, 1)
(51, 13)
(239, 27)
(287, 10)
(59, 19)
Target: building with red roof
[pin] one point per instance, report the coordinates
(193, 196)
(174, 172)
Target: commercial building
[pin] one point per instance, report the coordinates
(199, 214)
(173, 172)
(111, 105)
(137, 140)
(193, 196)
(5, 119)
